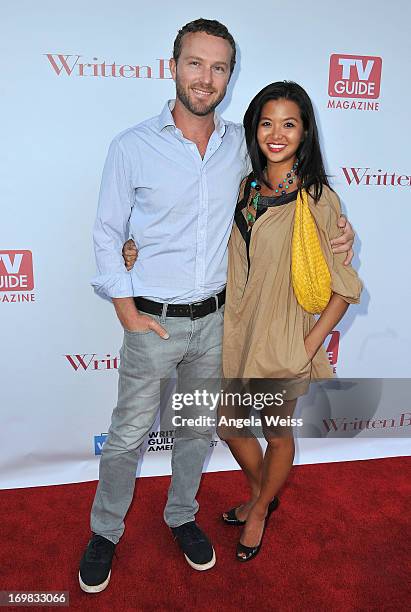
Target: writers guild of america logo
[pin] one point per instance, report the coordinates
(156, 441)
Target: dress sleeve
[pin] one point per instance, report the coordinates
(344, 279)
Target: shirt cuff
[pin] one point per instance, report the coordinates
(113, 285)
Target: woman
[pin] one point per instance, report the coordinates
(267, 333)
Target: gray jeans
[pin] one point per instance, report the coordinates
(194, 351)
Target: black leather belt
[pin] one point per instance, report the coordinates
(197, 310)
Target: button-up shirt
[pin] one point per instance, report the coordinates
(177, 206)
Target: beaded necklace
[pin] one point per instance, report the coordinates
(283, 186)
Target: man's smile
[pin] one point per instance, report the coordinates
(201, 92)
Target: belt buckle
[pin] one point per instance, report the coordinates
(192, 306)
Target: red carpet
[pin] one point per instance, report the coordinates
(339, 541)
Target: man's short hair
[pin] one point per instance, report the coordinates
(209, 26)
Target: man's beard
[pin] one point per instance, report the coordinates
(197, 108)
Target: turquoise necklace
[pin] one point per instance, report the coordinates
(288, 180)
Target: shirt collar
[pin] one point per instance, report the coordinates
(165, 119)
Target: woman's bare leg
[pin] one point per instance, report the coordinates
(278, 460)
(249, 456)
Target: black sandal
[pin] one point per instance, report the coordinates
(251, 551)
(231, 517)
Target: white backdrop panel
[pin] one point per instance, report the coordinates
(57, 125)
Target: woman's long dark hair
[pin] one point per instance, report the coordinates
(310, 171)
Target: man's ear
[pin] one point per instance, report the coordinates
(173, 68)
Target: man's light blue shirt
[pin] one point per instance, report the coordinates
(177, 206)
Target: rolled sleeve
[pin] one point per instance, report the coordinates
(344, 279)
(111, 225)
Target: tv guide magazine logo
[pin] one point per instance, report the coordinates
(16, 276)
(357, 79)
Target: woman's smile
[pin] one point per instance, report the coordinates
(275, 148)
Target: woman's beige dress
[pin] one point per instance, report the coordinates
(264, 326)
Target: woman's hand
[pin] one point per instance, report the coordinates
(130, 253)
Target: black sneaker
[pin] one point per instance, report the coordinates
(195, 545)
(95, 565)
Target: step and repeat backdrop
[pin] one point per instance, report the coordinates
(73, 76)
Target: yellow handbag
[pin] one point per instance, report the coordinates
(311, 277)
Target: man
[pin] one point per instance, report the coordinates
(171, 182)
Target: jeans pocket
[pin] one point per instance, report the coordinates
(144, 331)
(137, 332)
